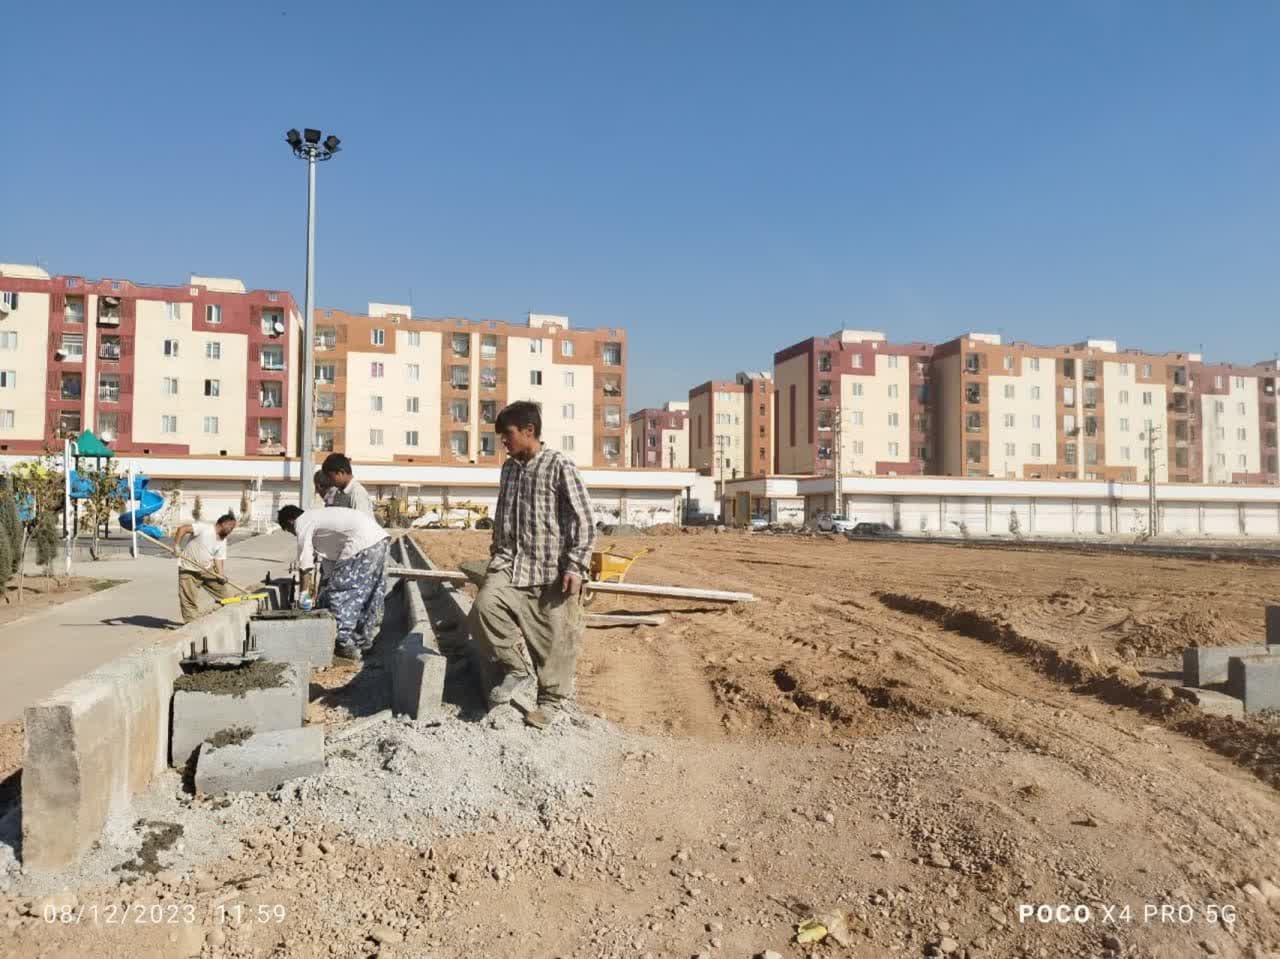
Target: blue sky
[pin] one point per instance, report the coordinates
(722, 179)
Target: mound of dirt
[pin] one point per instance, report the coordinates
(1167, 633)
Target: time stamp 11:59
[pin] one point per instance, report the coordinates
(168, 913)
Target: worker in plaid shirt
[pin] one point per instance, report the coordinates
(543, 534)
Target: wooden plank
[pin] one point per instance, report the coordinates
(620, 619)
(627, 589)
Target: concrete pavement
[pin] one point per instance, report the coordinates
(63, 643)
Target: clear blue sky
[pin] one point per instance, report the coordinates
(722, 179)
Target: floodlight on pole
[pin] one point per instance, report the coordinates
(307, 146)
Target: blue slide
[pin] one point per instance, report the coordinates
(149, 502)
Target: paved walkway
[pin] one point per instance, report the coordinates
(60, 644)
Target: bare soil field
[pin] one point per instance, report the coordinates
(913, 744)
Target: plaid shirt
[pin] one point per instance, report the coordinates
(543, 526)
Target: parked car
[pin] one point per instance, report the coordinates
(834, 523)
(701, 519)
(872, 529)
(759, 522)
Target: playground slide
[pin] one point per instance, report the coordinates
(149, 502)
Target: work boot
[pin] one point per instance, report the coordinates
(502, 693)
(543, 716)
(348, 651)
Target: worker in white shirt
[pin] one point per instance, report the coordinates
(355, 547)
(351, 492)
(203, 551)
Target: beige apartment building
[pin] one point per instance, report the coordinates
(731, 426)
(396, 388)
(205, 368)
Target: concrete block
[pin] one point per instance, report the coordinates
(199, 715)
(1255, 680)
(1212, 702)
(294, 636)
(262, 762)
(417, 678)
(1273, 625)
(1207, 665)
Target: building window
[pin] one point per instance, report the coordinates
(1035, 449)
(893, 420)
(611, 446)
(856, 417)
(1008, 421)
(1008, 391)
(376, 371)
(326, 338)
(972, 363)
(212, 313)
(1124, 425)
(856, 361)
(893, 388)
(973, 392)
(269, 320)
(71, 386)
(535, 346)
(108, 425)
(411, 438)
(413, 338)
(824, 362)
(1091, 453)
(488, 411)
(73, 312)
(211, 424)
(566, 411)
(488, 346)
(170, 387)
(375, 437)
(566, 443)
(1035, 421)
(8, 379)
(459, 444)
(566, 347)
(460, 343)
(378, 337)
(411, 404)
(1033, 364)
(326, 403)
(212, 387)
(1242, 434)
(1008, 362)
(535, 377)
(1069, 454)
(973, 452)
(171, 348)
(460, 377)
(973, 422)
(1068, 396)
(375, 403)
(1010, 449)
(109, 388)
(612, 417)
(108, 348)
(488, 444)
(8, 340)
(1146, 398)
(612, 354)
(1069, 423)
(824, 389)
(891, 362)
(73, 347)
(272, 358)
(270, 395)
(488, 378)
(213, 350)
(1124, 397)
(893, 450)
(1240, 409)
(1217, 382)
(412, 373)
(324, 440)
(1242, 461)
(459, 411)
(326, 373)
(1239, 382)
(1146, 370)
(168, 424)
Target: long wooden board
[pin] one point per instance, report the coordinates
(626, 589)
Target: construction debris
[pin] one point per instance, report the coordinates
(629, 589)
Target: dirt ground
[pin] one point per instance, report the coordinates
(917, 742)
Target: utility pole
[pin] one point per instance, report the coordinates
(838, 452)
(720, 462)
(1153, 512)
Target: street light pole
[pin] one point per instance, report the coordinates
(309, 147)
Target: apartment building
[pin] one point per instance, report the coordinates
(660, 437)
(1085, 411)
(397, 388)
(855, 400)
(205, 368)
(731, 426)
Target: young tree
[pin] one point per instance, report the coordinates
(104, 500)
(39, 490)
(46, 537)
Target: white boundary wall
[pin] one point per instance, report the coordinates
(938, 505)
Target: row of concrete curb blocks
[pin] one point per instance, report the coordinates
(456, 604)
(1255, 681)
(1207, 665)
(262, 762)
(306, 639)
(1212, 702)
(199, 715)
(93, 744)
(418, 671)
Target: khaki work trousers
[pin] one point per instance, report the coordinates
(190, 582)
(550, 621)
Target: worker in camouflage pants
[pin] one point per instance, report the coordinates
(355, 593)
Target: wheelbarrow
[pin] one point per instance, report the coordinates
(610, 566)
